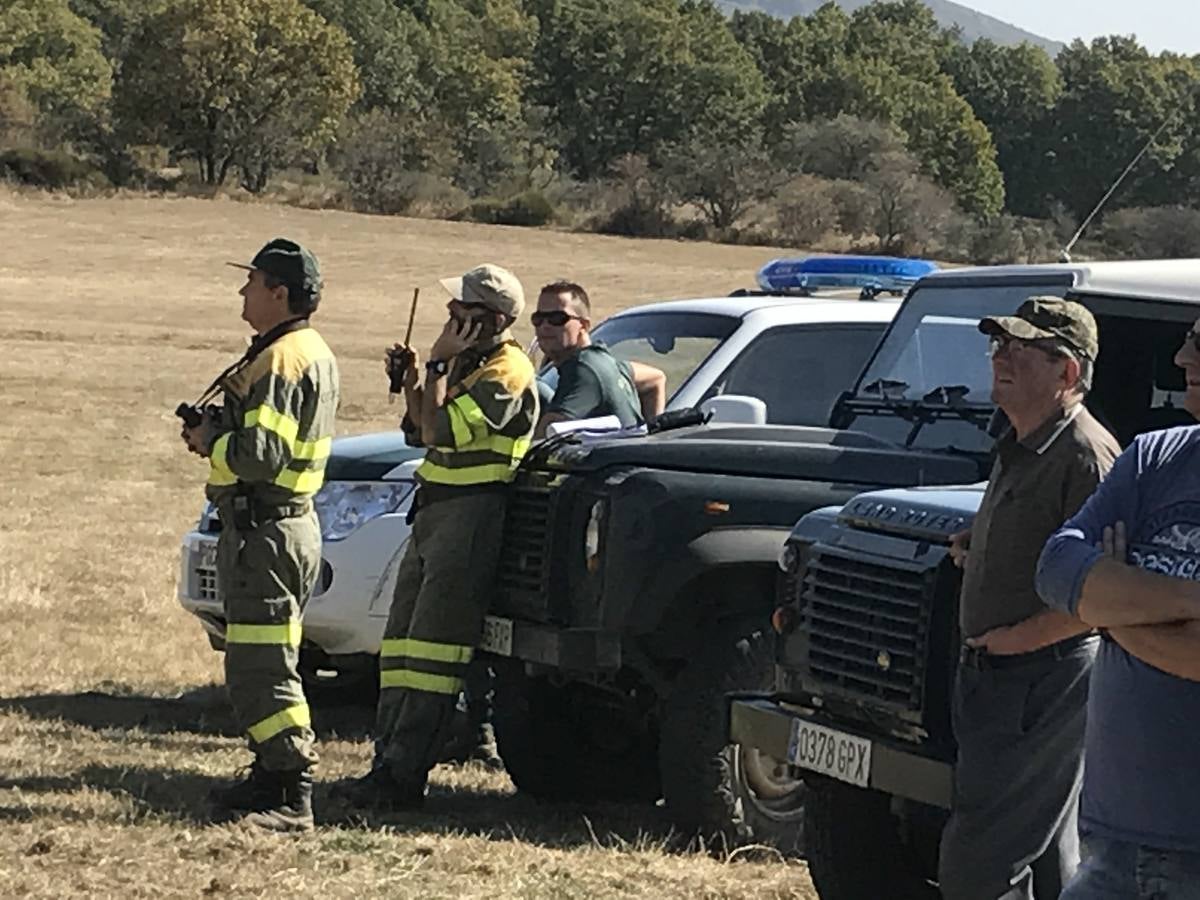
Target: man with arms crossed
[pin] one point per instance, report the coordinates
(1128, 563)
(1021, 691)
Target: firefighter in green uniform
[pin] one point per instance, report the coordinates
(267, 447)
(475, 414)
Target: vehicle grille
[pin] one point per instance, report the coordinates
(525, 560)
(869, 627)
(206, 583)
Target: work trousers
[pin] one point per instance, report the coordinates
(443, 589)
(266, 575)
(1019, 723)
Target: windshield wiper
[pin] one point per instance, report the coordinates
(885, 386)
(951, 396)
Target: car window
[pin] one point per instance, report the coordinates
(799, 372)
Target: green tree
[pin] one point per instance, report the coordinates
(1013, 91)
(390, 47)
(246, 82)
(882, 63)
(723, 179)
(51, 58)
(1116, 96)
(630, 78)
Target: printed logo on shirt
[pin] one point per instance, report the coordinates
(1171, 542)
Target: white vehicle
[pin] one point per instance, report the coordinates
(795, 355)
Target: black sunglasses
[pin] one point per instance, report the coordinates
(558, 318)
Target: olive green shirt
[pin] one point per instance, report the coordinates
(1036, 484)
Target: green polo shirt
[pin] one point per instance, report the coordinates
(1036, 484)
(595, 383)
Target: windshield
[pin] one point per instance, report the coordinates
(678, 343)
(935, 344)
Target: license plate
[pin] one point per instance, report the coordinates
(497, 636)
(207, 555)
(833, 753)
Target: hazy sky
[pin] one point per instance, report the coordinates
(1159, 24)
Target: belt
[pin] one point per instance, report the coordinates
(979, 658)
(246, 512)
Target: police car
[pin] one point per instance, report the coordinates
(770, 354)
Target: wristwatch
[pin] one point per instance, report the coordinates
(437, 367)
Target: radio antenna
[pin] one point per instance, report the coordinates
(1065, 255)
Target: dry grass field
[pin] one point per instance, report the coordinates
(112, 722)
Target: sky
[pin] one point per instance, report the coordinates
(1159, 24)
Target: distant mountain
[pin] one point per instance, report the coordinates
(974, 24)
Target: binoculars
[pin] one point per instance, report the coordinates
(193, 416)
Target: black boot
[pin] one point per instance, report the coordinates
(291, 806)
(255, 791)
(380, 790)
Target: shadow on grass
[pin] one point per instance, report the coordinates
(491, 815)
(497, 816)
(203, 711)
(178, 795)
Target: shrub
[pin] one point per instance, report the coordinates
(51, 169)
(637, 201)
(529, 208)
(1155, 232)
(806, 210)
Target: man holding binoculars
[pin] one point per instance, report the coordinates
(267, 446)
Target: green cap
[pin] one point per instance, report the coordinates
(1049, 317)
(289, 262)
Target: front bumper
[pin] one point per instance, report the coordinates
(575, 649)
(765, 724)
(348, 610)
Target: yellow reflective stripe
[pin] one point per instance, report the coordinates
(432, 472)
(415, 649)
(419, 681)
(318, 449)
(220, 473)
(460, 427)
(470, 409)
(287, 635)
(301, 482)
(296, 716)
(273, 420)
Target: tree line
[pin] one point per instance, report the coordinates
(874, 128)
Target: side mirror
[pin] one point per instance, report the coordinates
(735, 409)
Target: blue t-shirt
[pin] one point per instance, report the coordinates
(1143, 730)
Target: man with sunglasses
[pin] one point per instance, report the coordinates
(591, 381)
(1021, 689)
(475, 414)
(1129, 563)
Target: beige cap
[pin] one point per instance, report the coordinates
(491, 286)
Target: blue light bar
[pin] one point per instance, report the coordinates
(871, 274)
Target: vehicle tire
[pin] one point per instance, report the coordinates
(557, 743)
(857, 848)
(728, 794)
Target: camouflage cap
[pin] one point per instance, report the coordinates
(491, 286)
(289, 262)
(1049, 317)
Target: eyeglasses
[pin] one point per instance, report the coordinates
(1001, 343)
(557, 318)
